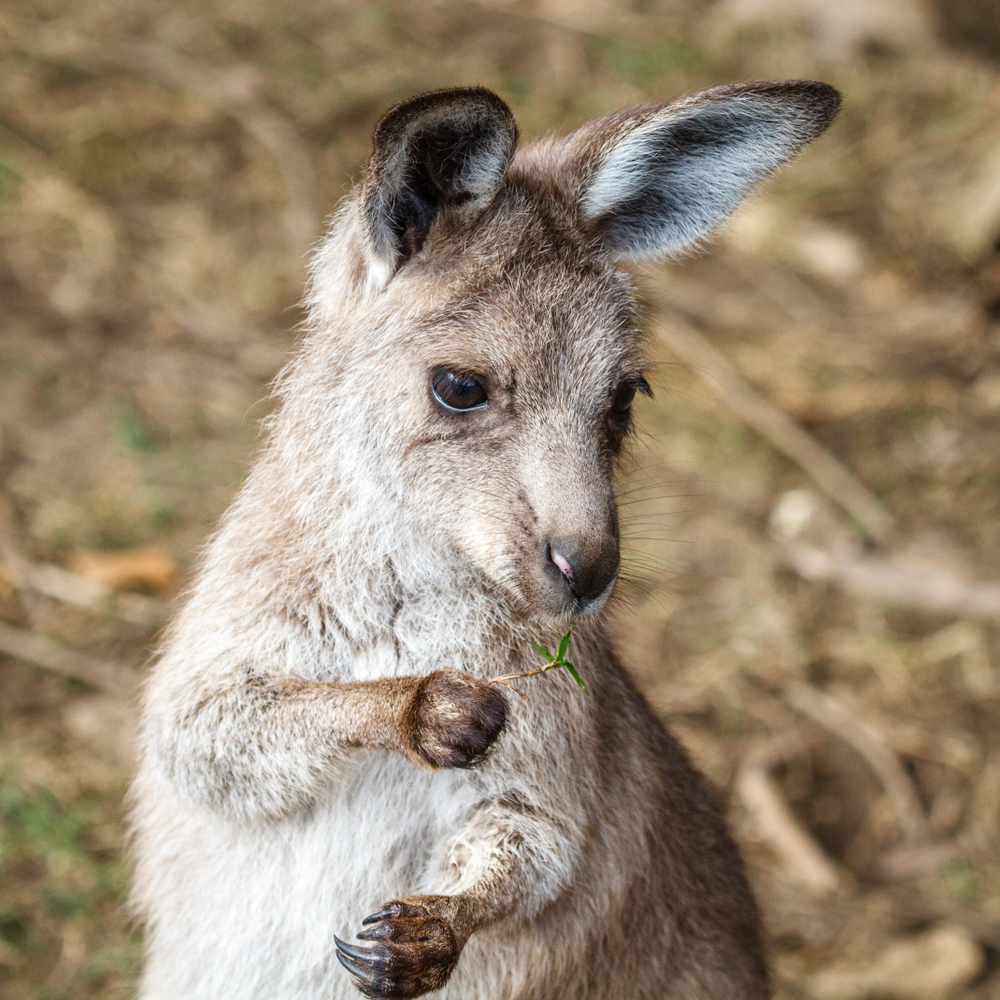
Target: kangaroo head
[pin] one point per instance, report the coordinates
(483, 333)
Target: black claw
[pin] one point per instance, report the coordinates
(385, 912)
(354, 968)
(352, 951)
(372, 934)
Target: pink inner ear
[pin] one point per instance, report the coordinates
(562, 565)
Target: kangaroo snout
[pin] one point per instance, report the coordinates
(582, 570)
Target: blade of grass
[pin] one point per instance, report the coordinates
(579, 680)
(563, 644)
(541, 650)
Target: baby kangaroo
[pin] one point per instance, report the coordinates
(322, 750)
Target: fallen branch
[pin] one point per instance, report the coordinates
(71, 588)
(885, 581)
(870, 744)
(775, 825)
(688, 344)
(49, 654)
(935, 963)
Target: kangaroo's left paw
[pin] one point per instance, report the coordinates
(415, 949)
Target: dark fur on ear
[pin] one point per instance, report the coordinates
(657, 179)
(433, 152)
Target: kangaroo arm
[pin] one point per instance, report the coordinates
(511, 858)
(260, 748)
(509, 861)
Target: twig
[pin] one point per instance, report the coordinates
(775, 825)
(557, 659)
(505, 682)
(11, 553)
(687, 343)
(50, 655)
(71, 588)
(871, 745)
(524, 673)
(893, 584)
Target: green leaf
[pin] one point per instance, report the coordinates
(563, 644)
(541, 650)
(579, 680)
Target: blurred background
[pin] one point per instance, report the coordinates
(811, 594)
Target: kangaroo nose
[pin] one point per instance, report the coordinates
(585, 569)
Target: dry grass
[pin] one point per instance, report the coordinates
(163, 169)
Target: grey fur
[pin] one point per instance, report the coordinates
(308, 722)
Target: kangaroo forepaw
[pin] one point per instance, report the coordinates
(415, 951)
(456, 718)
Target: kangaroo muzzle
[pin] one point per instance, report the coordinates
(581, 568)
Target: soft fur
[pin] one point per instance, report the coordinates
(319, 738)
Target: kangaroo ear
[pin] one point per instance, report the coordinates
(432, 153)
(658, 179)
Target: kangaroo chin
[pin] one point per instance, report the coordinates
(332, 796)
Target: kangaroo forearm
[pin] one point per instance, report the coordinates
(267, 748)
(509, 862)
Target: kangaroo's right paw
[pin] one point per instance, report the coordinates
(415, 949)
(455, 719)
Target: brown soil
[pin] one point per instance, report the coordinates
(163, 169)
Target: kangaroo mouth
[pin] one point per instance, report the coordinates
(588, 607)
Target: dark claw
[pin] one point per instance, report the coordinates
(373, 933)
(392, 910)
(354, 968)
(363, 955)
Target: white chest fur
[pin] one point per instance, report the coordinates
(301, 881)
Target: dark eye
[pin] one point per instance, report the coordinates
(626, 394)
(457, 390)
(623, 398)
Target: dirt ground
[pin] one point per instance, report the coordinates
(811, 514)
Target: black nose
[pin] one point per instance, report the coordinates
(584, 568)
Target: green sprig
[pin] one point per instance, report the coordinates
(552, 662)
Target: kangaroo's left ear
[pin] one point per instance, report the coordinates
(657, 179)
(445, 152)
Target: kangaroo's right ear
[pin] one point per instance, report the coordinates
(657, 179)
(443, 151)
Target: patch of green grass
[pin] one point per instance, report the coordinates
(110, 536)
(372, 20)
(8, 185)
(961, 880)
(639, 62)
(934, 120)
(919, 417)
(132, 428)
(730, 720)
(60, 868)
(987, 479)
(57, 390)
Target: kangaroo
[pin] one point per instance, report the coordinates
(322, 750)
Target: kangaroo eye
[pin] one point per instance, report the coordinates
(626, 394)
(457, 390)
(623, 398)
